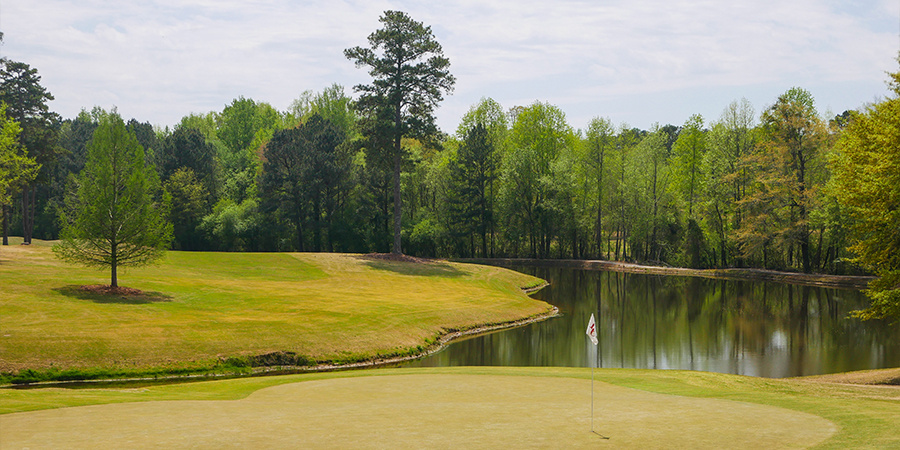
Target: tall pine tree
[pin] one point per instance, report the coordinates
(409, 77)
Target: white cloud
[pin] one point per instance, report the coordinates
(159, 60)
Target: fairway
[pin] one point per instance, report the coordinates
(202, 308)
(425, 411)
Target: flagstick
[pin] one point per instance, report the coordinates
(597, 352)
(593, 334)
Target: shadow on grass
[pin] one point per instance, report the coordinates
(96, 297)
(425, 269)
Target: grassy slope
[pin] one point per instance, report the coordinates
(866, 415)
(204, 306)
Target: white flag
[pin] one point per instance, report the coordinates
(592, 330)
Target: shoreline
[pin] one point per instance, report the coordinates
(805, 279)
(444, 339)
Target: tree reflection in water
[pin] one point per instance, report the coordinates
(659, 322)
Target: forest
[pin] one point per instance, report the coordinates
(746, 189)
(517, 182)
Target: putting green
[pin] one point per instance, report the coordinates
(427, 410)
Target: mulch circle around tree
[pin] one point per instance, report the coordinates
(109, 290)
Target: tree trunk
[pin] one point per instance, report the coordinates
(113, 279)
(618, 240)
(317, 230)
(5, 218)
(817, 261)
(397, 250)
(27, 214)
(598, 236)
(298, 223)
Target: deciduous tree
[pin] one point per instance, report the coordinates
(599, 142)
(687, 162)
(794, 132)
(730, 141)
(118, 218)
(866, 181)
(539, 135)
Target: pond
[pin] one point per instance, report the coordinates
(666, 322)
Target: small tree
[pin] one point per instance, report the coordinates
(114, 219)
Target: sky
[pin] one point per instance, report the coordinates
(635, 62)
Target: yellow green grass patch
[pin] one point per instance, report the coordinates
(203, 307)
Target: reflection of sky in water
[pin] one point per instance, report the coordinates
(778, 340)
(655, 322)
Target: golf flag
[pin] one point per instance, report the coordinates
(592, 330)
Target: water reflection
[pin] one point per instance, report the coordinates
(657, 322)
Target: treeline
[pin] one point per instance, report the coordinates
(744, 189)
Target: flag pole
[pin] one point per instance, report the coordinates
(592, 335)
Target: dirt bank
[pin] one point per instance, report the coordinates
(806, 279)
(878, 377)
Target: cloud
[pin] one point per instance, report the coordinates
(159, 60)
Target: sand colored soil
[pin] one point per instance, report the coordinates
(423, 411)
(804, 279)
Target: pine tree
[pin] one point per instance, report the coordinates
(409, 77)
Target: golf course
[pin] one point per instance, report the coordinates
(236, 313)
(195, 310)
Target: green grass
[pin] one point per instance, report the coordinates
(203, 308)
(865, 416)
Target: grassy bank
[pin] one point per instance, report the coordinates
(696, 410)
(199, 310)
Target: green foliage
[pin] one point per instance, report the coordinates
(304, 179)
(26, 102)
(115, 219)
(731, 140)
(26, 99)
(789, 175)
(409, 75)
(488, 114)
(649, 200)
(332, 104)
(241, 120)
(15, 169)
(190, 203)
(599, 144)
(187, 148)
(204, 123)
(539, 135)
(233, 226)
(885, 295)
(870, 145)
(473, 174)
(687, 162)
